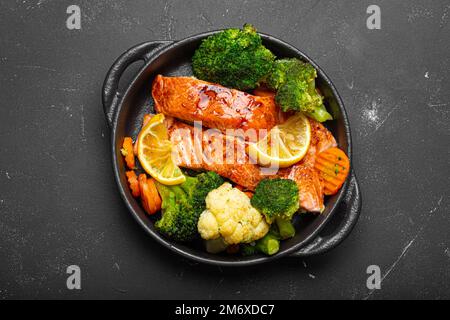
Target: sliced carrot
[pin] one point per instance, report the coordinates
(128, 152)
(133, 182)
(333, 166)
(143, 189)
(151, 201)
(156, 199)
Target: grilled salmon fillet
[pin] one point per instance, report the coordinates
(210, 150)
(308, 180)
(217, 148)
(190, 99)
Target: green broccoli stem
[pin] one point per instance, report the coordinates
(165, 193)
(189, 185)
(269, 244)
(285, 228)
(320, 114)
(168, 192)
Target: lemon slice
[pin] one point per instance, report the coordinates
(285, 145)
(155, 152)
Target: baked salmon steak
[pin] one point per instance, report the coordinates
(196, 148)
(211, 150)
(189, 99)
(309, 182)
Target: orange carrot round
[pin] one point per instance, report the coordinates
(157, 202)
(151, 201)
(333, 166)
(133, 182)
(128, 152)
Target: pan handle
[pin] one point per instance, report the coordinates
(110, 94)
(347, 213)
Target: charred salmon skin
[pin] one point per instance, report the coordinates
(190, 99)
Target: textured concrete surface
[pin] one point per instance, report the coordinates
(59, 204)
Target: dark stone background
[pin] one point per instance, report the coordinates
(59, 204)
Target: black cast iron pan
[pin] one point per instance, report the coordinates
(124, 113)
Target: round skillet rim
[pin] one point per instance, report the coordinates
(168, 243)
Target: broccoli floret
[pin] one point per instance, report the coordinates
(294, 81)
(279, 72)
(278, 200)
(178, 221)
(206, 182)
(234, 58)
(183, 204)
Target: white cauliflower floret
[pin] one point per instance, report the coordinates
(209, 227)
(230, 215)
